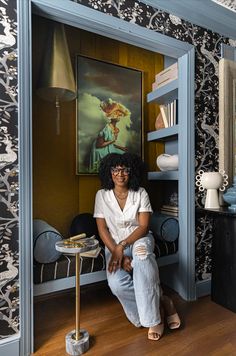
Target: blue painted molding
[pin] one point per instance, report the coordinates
(203, 288)
(25, 164)
(67, 283)
(165, 93)
(163, 134)
(77, 15)
(177, 277)
(187, 168)
(10, 346)
(80, 16)
(167, 175)
(204, 13)
(91, 20)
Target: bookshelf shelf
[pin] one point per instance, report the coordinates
(163, 134)
(176, 103)
(167, 175)
(164, 94)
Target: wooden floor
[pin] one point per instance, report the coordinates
(208, 328)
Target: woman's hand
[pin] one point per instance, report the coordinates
(100, 142)
(121, 147)
(116, 259)
(126, 264)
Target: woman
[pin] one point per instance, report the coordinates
(105, 142)
(122, 211)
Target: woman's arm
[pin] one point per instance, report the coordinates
(105, 234)
(100, 142)
(117, 251)
(121, 147)
(141, 230)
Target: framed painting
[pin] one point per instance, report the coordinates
(109, 112)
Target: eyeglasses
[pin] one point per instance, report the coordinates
(125, 171)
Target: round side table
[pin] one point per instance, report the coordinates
(77, 341)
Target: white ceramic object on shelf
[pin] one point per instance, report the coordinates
(168, 162)
(212, 181)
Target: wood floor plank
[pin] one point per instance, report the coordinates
(207, 328)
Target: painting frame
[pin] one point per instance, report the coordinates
(227, 121)
(109, 108)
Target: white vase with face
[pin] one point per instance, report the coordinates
(212, 181)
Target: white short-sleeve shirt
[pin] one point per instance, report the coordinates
(121, 223)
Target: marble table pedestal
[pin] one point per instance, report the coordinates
(77, 341)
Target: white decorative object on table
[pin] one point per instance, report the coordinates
(212, 181)
(77, 341)
(168, 162)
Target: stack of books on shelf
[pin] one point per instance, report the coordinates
(170, 210)
(165, 76)
(168, 115)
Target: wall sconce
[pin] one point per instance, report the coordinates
(56, 82)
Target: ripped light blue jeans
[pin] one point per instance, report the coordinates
(138, 291)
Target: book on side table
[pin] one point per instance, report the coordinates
(93, 253)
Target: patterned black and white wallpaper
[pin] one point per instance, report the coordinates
(207, 45)
(9, 250)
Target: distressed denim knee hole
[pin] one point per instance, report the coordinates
(141, 251)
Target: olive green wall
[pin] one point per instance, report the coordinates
(60, 194)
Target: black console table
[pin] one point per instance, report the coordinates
(223, 287)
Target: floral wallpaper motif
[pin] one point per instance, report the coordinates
(9, 255)
(207, 47)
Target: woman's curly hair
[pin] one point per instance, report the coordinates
(132, 161)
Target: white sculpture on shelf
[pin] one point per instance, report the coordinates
(212, 181)
(168, 162)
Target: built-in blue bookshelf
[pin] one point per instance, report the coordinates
(164, 134)
(167, 175)
(164, 94)
(177, 138)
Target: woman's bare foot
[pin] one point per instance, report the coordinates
(172, 317)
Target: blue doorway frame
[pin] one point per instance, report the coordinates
(76, 15)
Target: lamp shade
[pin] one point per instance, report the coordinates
(56, 82)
